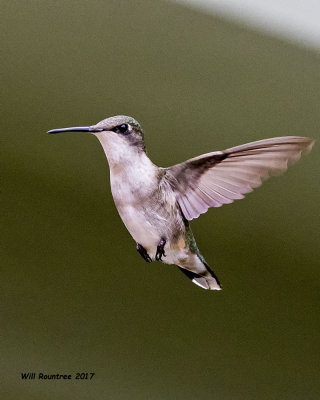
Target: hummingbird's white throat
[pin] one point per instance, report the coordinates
(117, 149)
(136, 169)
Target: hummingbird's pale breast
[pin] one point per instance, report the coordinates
(147, 209)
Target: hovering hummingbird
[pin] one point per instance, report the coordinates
(156, 204)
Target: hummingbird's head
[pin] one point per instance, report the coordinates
(121, 129)
(121, 136)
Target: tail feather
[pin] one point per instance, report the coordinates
(206, 280)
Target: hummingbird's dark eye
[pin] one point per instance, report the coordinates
(123, 128)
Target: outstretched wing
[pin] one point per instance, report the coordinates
(218, 178)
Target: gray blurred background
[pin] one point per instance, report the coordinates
(75, 296)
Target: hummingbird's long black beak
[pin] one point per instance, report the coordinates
(76, 129)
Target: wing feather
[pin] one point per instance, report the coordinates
(218, 178)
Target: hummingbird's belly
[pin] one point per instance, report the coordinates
(145, 226)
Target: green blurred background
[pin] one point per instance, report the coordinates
(75, 296)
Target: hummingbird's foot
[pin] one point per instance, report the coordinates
(160, 249)
(143, 252)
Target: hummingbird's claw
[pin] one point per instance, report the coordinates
(143, 252)
(160, 249)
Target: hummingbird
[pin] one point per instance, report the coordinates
(157, 204)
